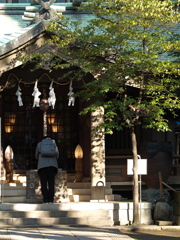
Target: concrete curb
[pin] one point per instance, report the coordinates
(148, 227)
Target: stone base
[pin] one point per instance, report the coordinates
(98, 193)
(176, 220)
(144, 213)
(99, 200)
(33, 189)
(164, 223)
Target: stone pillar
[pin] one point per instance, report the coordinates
(33, 188)
(44, 123)
(97, 148)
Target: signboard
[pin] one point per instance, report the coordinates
(142, 166)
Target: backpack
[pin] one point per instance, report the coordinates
(48, 148)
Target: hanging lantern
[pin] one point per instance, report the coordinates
(12, 118)
(8, 128)
(44, 105)
(78, 163)
(78, 152)
(9, 154)
(51, 118)
(55, 128)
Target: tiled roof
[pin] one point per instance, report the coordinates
(15, 32)
(19, 37)
(13, 26)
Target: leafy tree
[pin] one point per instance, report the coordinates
(128, 48)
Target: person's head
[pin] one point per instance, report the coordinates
(46, 137)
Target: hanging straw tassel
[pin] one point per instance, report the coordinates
(70, 94)
(52, 96)
(18, 94)
(36, 95)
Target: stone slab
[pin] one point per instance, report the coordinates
(64, 233)
(164, 223)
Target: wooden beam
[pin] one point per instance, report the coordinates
(160, 184)
(169, 187)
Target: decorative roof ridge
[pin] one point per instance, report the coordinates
(8, 6)
(40, 10)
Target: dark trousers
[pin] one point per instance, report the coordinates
(47, 180)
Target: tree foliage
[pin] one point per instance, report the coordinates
(130, 48)
(126, 44)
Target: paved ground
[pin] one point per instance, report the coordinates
(153, 233)
(63, 233)
(84, 233)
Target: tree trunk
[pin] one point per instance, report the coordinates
(136, 220)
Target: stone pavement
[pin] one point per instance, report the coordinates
(81, 233)
(63, 233)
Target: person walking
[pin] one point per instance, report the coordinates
(47, 154)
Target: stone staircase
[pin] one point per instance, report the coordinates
(14, 211)
(13, 192)
(81, 192)
(99, 214)
(77, 191)
(71, 214)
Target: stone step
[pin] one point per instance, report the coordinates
(82, 213)
(78, 192)
(16, 193)
(12, 193)
(113, 197)
(74, 191)
(13, 186)
(54, 214)
(79, 198)
(83, 206)
(72, 198)
(20, 178)
(25, 222)
(84, 185)
(87, 198)
(70, 177)
(79, 185)
(15, 199)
